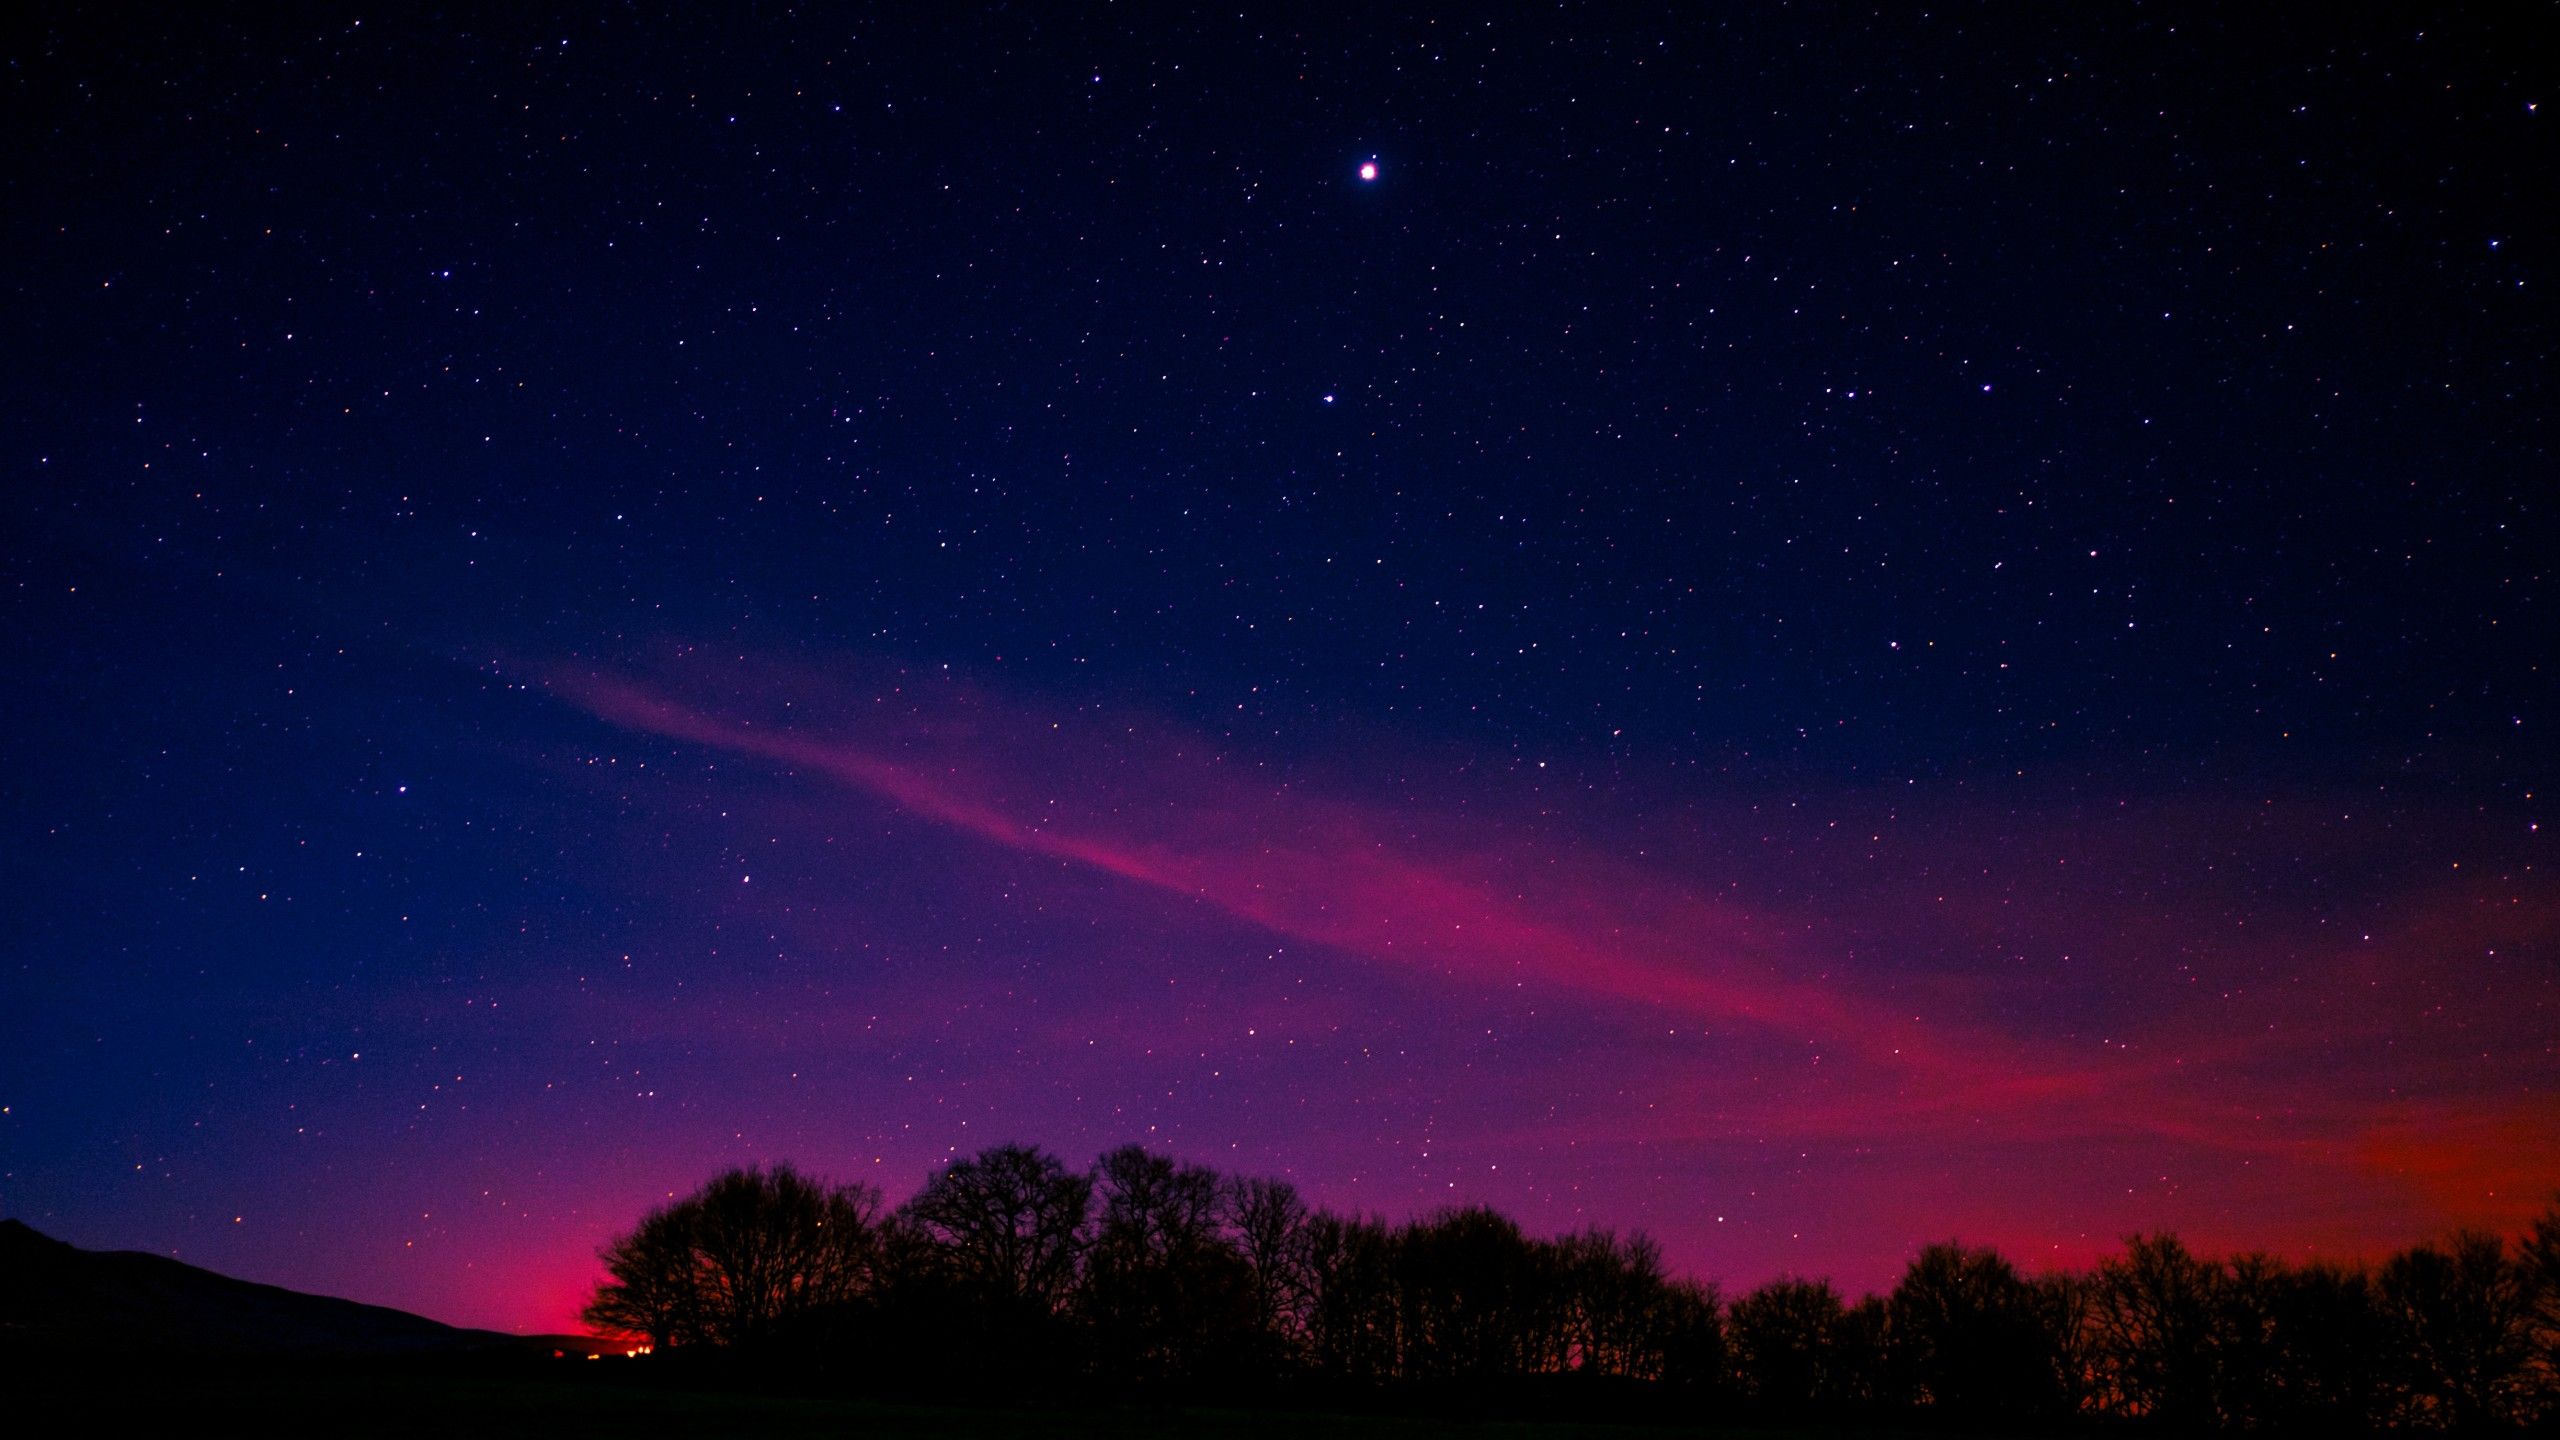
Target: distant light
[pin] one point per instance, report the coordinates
(1368, 169)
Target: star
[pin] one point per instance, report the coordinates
(1369, 170)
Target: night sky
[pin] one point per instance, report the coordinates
(1807, 630)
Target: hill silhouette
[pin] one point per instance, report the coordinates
(57, 1297)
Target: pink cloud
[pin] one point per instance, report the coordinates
(1352, 877)
(1492, 900)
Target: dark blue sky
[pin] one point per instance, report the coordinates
(603, 595)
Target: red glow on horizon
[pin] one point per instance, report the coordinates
(1782, 1062)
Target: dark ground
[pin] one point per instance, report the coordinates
(149, 1397)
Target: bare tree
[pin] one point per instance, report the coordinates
(1963, 1336)
(1785, 1338)
(1009, 1270)
(2153, 1309)
(1270, 1225)
(1473, 1290)
(1153, 1204)
(650, 1288)
(2538, 1256)
(1167, 1296)
(1011, 1223)
(2065, 1309)
(1690, 1333)
(2332, 1360)
(730, 1263)
(2462, 1316)
(1354, 1318)
(1613, 1293)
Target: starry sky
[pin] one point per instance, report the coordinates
(1804, 629)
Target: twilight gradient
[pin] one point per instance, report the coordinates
(1810, 631)
(865, 917)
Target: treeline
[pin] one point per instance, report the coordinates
(1010, 1274)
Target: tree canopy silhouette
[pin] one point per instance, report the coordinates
(1150, 1275)
(740, 1257)
(1968, 1337)
(1010, 1224)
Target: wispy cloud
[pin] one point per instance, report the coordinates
(1485, 913)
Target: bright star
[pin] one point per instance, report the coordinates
(1368, 169)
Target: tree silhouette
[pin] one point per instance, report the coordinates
(2065, 1310)
(1354, 1317)
(1009, 1273)
(1785, 1338)
(2538, 1258)
(2331, 1354)
(1470, 1286)
(729, 1264)
(1270, 1223)
(2153, 1309)
(978, 1272)
(1010, 1223)
(2462, 1318)
(1613, 1298)
(1689, 1329)
(2245, 1347)
(650, 1288)
(1964, 1338)
(1169, 1297)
